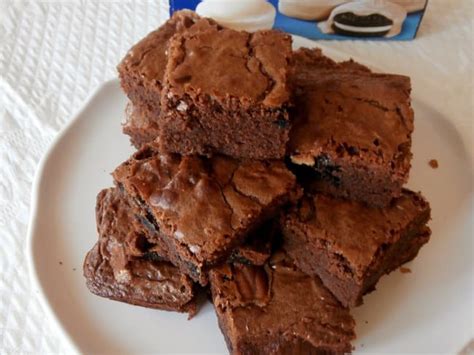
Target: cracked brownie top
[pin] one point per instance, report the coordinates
(124, 267)
(276, 307)
(147, 59)
(356, 234)
(204, 206)
(343, 109)
(229, 66)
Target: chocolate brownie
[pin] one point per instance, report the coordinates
(227, 92)
(277, 309)
(122, 267)
(141, 72)
(353, 129)
(202, 208)
(255, 250)
(350, 246)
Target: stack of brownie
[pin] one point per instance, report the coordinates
(272, 178)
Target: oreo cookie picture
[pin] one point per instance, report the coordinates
(350, 24)
(369, 20)
(366, 18)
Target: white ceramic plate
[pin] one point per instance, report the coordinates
(428, 310)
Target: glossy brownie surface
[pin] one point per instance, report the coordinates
(203, 208)
(227, 92)
(277, 309)
(353, 127)
(230, 67)
(146, 61)
(141, 74)
(141, 127)
(350, 245)
(123, 267)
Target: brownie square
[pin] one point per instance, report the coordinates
(142, 69)
(122, 266)
(227, 92)
(277, 309)
(352, 129)
(350, 246)
(202, 208)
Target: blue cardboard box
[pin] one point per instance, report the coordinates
(317, 19)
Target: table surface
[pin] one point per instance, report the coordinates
(53, 54)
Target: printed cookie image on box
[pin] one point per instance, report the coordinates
(316, 19)
(369, 18)
(308, 9)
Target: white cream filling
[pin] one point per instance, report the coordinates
(249, 15)
(308, 10)
(365, 8)
(362, 29)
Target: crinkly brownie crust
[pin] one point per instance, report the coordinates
(141, 74)
(227, 92)
(123, 267)
(277, 309)
(352, 128)
(350, 246)
(203, 208)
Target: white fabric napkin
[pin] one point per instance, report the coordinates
(53, 54)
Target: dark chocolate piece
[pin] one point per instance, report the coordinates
(258, 247)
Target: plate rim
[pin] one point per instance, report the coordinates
(33, 218)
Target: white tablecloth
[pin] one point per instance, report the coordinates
(52, 54)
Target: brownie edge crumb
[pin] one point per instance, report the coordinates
(405, 270)
(433, 163)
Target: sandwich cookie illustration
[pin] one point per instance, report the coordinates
(308, 9)
(248, 15)
(366, 18)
